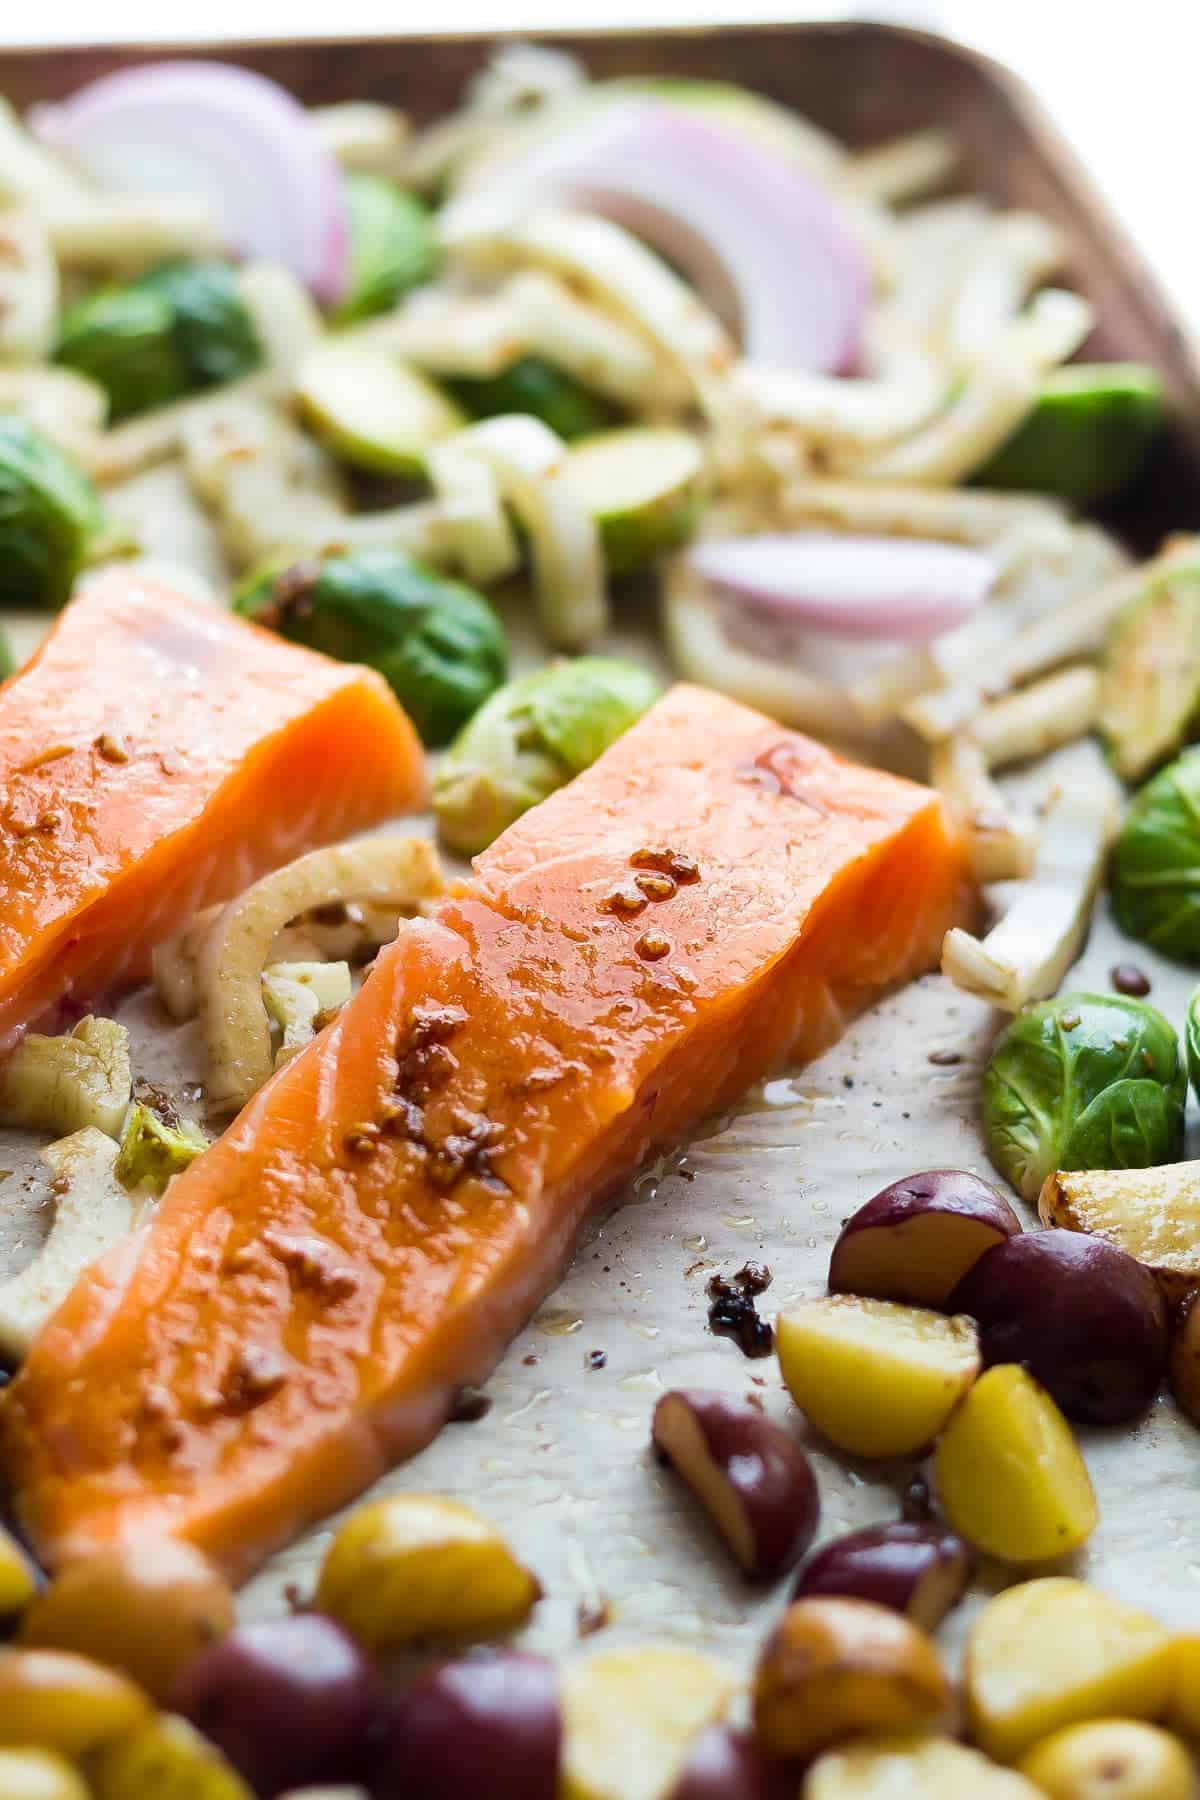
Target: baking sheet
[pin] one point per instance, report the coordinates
(561, 1460)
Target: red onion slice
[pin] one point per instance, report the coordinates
(761, 241)
(231, 137)
(896, 588)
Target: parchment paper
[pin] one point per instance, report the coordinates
(561, 1462)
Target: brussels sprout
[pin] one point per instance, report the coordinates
(178, 328)
(392, 246)
(533, 385)
(1156, 863)
(49, 518)
(152, 1150)
(438, 644)
(1086, 437)
(644, 486)
(8, 660)
(1150, 685)
(371, 411)
(531, 738)
(1086, 1081)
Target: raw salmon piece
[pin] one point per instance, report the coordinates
(390, 1209)
(157, 755)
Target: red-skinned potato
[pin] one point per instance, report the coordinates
(917, 1567)
(489, 1723)
(917, 1238)
(726, 1764)
(1082, 1316)
(750, 1476)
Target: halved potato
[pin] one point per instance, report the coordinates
(630, 1717)
(1053, 1652)
(1153, 1214)
(912, 1768)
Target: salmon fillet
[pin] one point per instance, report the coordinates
(158, 755)
(389, 1210)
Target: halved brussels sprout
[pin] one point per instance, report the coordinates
(1086, 437)
(1084, 1081)
(533, 385)
(153, 1149)
(1150, 687)
(371, 411)
(530, 738)
(50, 518)
(438, 643)
(644, 486)
(1156, 863)
(392, 246)
(177, 329)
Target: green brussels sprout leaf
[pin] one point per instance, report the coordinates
(1071, 1084)
(530, 739)
(392, 246)
(1192, 1040)
(533, 385)
(152, 1151)
(50, 517)
(175, 330)
(1156, 862)
(437, 643)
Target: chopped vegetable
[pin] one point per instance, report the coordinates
(28, 289)
(759, 239)
(1150, 695)
(1087, 1081)
(239, 142)
(49, 518)
(370, 410)
(1003, 843)
(529, 464)
(152, 1150)
(1038, 719)
(533, 385)
(400, 872)
(644, 488)
(61, 1084)
(66, 1703)
(92, 1211)
(392, 247)
(8, 659)
(299, 996)
(439, 645)
(180, 328)
(1156, 864)
(365, 136)
(1083, 1760)
(1028, 952)
(1087, 435)
(472, 521)
(530, 738)
(663, 1696)
(913, 1767)
(852, 586)
(1151, 1214)
(607, 358)
(161, 1759)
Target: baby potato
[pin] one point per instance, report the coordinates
(724, 1764)
(1053, 1652)
(39, 1775)
(164, 1759)
(876, 1378)
(630, 1717)
(18, 1579)
(415, 1566)
(491, 1719)
(1184, 1364)
(1111, 1759)
(1009, 1472)
(833, 1669)
(917, 1567)
(917, 1239)
(1183, 1709)
(144, 1608)
(63, 1702)
(1081, 1315)
(912, 1768)
(752, 1479)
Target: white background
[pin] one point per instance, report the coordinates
(1122, 80)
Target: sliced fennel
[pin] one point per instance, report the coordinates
(1028, 952)
(297, 995)
(92, 1211)
(28, 289)
(62, 1084)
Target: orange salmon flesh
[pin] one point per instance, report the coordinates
(712, 900)
(158, 755)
